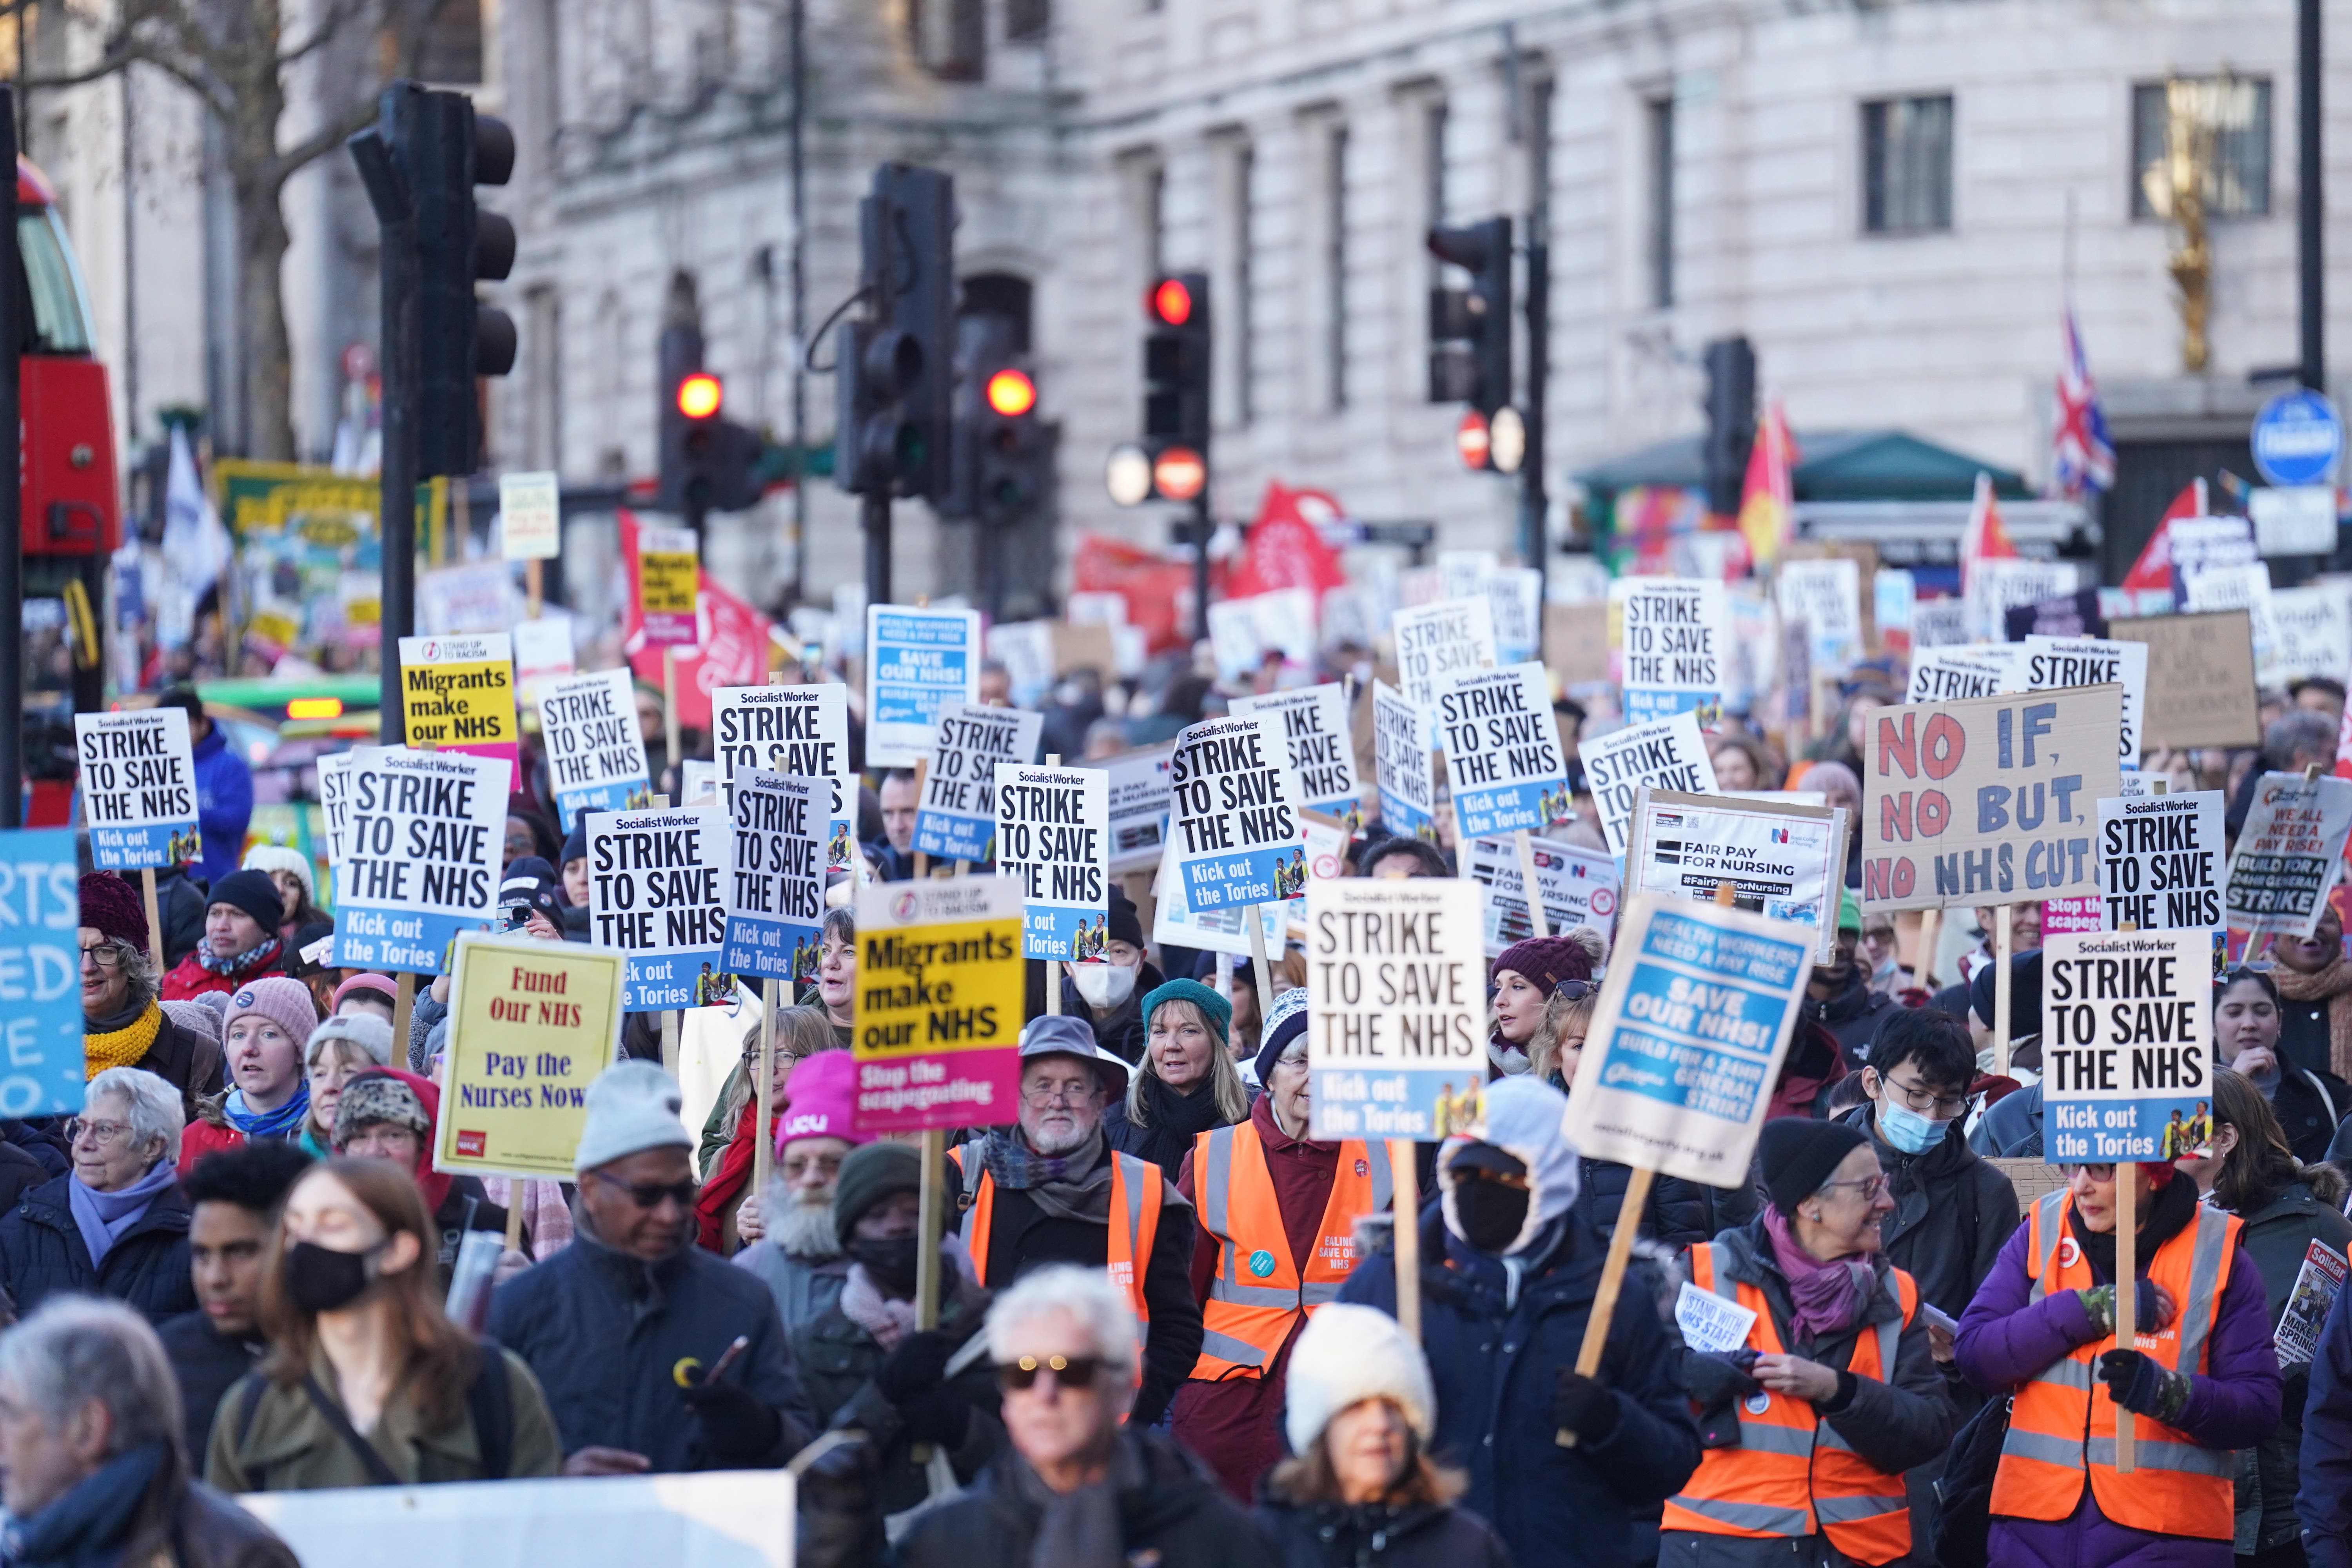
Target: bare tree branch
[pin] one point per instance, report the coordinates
(340, 14)
(324, 140)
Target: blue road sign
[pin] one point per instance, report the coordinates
(2297, 437)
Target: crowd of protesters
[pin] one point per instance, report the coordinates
(1166, 1313)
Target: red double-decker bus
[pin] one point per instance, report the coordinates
(72, 492)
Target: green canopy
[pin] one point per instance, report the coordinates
(1831, 465)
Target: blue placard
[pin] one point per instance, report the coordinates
(40, 972)
(1703, 1013)
(2297, 437)
(618, 794)
(944, 835)
(659, 983)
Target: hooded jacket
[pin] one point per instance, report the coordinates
(1499, 1331)
(1333, 1535)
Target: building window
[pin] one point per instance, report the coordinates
(950, 38)
(1658, 259)
(2223, 122)
(1335, 267)
(1027, 21)
(1906, 165)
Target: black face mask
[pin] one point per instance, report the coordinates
(1492, 1214)
(890, 1260)
(320, 1279)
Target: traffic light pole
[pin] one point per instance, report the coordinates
(1534, 503)
(12, 479)
(874, 513)
(396, 270)
(2310, 203)
(1201, 565)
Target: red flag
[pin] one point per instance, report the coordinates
(1987, 537)
(1286, 549)
(2153, 570)
(1767, 500)
(733, 650)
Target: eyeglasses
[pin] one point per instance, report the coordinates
(1070, 1371)
(1925, 1100)
(651, 1194)
(2097, 1172)
(1046, 1094)
(1873, 1187)
(99, 1132)
(106, 955)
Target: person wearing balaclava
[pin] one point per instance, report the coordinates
(1509, 1270)
(864, 1359)
(1109, 995)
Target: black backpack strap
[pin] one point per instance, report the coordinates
(490, 1402)
(380, 1473)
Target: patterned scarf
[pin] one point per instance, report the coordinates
(1825, 1300)
(252, 958)
(282, 1122)
(122, 1048)
(1076, 1185)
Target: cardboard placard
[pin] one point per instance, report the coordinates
(1138, 807)
(458, 694)
(2287, 855)
(1675, 640)
(1406, 765)
(335, 798)
(1826, 596)
(2161, 864)
(1687, 1042)
(138, 788)
(1579, 887)
(1783, 862)
(1502, 751)
(1053, 838)
(1663, 754)
(919, 663)
(1515, 596)
(2201, 679)
(774, 887)
(532, 1024)
(2052, 664)
(1235, 825)
(1397, 1002)
(2311, 634)
(531, 517)
(1437, 642)
(939, 987)
(1313, 722)
(956, 819)
(595, 753)
(420, 857)
(654, 893)
(1576, 643)
(2126, 1044)
(1991, 800)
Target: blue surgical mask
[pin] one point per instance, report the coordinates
(1908, 1129)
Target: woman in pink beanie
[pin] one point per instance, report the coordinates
(265, 1035)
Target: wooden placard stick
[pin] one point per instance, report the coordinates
(1923, 969)
(672, 744)
(927, 1220)
(2004, 949)
(1405, 1240)
(516, 1187)
(404, 1002)
(1612, 1282)
(2127, 1295)
(1264, 970)
(1526, 846)
(922, 779)
(763, 1153)
(154, 920)
(534, 588)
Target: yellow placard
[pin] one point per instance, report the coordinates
(940, 995)
(531, 1026)
(458, 690)
(666, 582)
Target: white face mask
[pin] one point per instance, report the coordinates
(1103, 984)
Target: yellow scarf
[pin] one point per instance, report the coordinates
(121, 1047)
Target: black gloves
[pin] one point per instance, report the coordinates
(738, 1433)
(1712, 1378)
(943, 1416)
(1584, 1406)
(2142, 1387)
(915, 1367)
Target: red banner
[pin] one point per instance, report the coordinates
(734, 650)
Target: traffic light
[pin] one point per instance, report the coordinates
(1730, 421)
(1000, 454)
(708, 463)
(443, 149)
(1171, 462)
(1470, 329)
(895, 369)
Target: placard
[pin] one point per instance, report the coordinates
(1437, 642)
(940, 984)
(334, 773)
(44, 1069)
(2311, 634)
(1234, 823)
(1826, 594)
(2287, 853)
(1502, 751)
(956, 819)
(2052, 664)
(799, 731)
(420, 857)
(1687, 1039)
(2078, 614)
(2161, 864)
(1999, 586)
(1992, 800)
(531, 517)
(1783, 862)
(1579, 887)
(654, 893)
(595, 752)
(1313, 724)
(138, 788)
(543, 651)
(1664, 754)
(669, 578)
(1138, 807)
(774, 889)
(919, 664)
(2126, 1044)
(1396, 1008)
(2201, 679)
(1676, 637)
(1961, 670)
(532, 1024)
(1406, 765)
(458, 694)
(1175, 923)
(1515, 596)
(1053, 836)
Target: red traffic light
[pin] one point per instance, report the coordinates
(1172, 302)
(1473, 440)
(699, 395)
(1179, 474)
(1012, 394)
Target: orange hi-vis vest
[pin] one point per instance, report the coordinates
(2061, 1425)
(1260, 1292)
(1137, 1188)
(1790, 1474)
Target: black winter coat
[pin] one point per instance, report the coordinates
(1177, 1518)
(836, 1360)
(2310, 1105)
(1853, 1016)
(189, 1062)
(1495, 1353)
(1677, 1214)
(1335, 1536)
(1123, 1033)
(42, 1254)
(1952, 1214)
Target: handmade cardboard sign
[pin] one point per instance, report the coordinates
(595, 753)
(1502, 750)
(1396, 987)
(2288, 852)
(919, 664)
(774, 887)
(2126, 1045)
(138, 788)
(1313, 721)
(1053, 836)
(420, 857)
(1234, 828)
(532, 1024)
(2201, 679)
(1663, 754)
(653, 892)
(939, 1003)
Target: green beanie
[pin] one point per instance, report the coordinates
(1213, 1007)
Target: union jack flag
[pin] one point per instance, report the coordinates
(2081, 457)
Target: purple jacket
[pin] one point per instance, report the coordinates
(2004, 1339)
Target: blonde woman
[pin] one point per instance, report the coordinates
(1188, 1083)
(338, 1049)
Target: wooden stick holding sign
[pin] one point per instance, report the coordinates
(2127, 1296)
(1923, 967)
(1052, 965)
(403, 1004)
(763, 1153)
(1537, 925)
(1404, 1177)
(930, 1213)
(2003, 988)
(154, 920)
(922, 777)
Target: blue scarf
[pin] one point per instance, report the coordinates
(282, 1122)
(86, 1527)
(104, 1218)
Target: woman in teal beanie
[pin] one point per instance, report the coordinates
(1187, 1084)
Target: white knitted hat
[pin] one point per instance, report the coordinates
(1349, 1353)
(632, 1106)
(267, 858)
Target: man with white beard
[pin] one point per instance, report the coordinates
(798, 1254)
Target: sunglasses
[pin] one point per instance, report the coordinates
(650, 1195)
(1070, 1371)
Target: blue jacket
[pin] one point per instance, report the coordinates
(604, 1333)
(224, 804)
(1495, 1361)
(42, 1254)
(2324, 1501)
